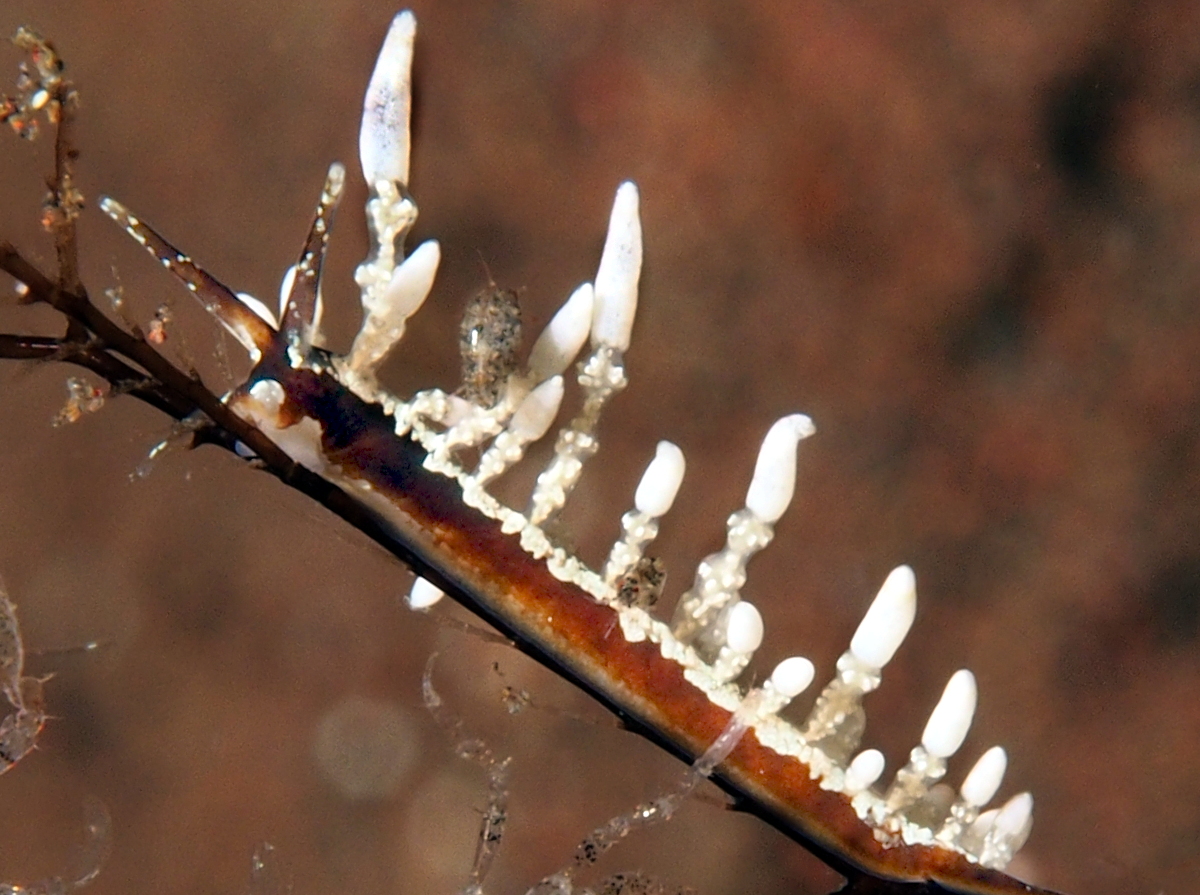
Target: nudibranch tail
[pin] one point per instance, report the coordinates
(418, 470)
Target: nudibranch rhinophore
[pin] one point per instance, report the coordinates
(420, 469)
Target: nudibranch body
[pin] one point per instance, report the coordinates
(420, 469)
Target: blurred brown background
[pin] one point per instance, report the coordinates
(962, 235)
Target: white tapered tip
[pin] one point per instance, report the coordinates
(412, 281)
(383, 140)
(864, 770)
(888, 619)
(617, 277)
(951, 717)
(285, 288)
(387, 314)
(1015, 821)
(259, 308)
(563, 336)
(984, 779)
(535, 414)
(660, 482)
(743, 628)
(791, 677)
(424, 594)
(984, 823)
(774, 479)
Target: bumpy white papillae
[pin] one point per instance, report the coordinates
(1007, 832)
(655, 494)
(792, 676)
(744, 628)
(383, 140)
(720, 576)
(1015, 818)
(617, 278)
(535, 414)
(774, 479)
(660, 482)
(888, 619)
(563, 337)
(530, 422)
(714, 633)
(864, 770)
(985, 777)
(951, 718)
(788, 680)
(424, 594)
(602, 375)
(388, 312)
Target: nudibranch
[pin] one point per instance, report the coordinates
(420, 469)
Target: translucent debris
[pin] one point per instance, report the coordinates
(88, 862)
(41, 88)
(82, 398)
(12, 650)
(19, 730)
(267, 874)
(365, 747)
(156, 332)
(790, 678)
(181, 437)
(495, 814)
